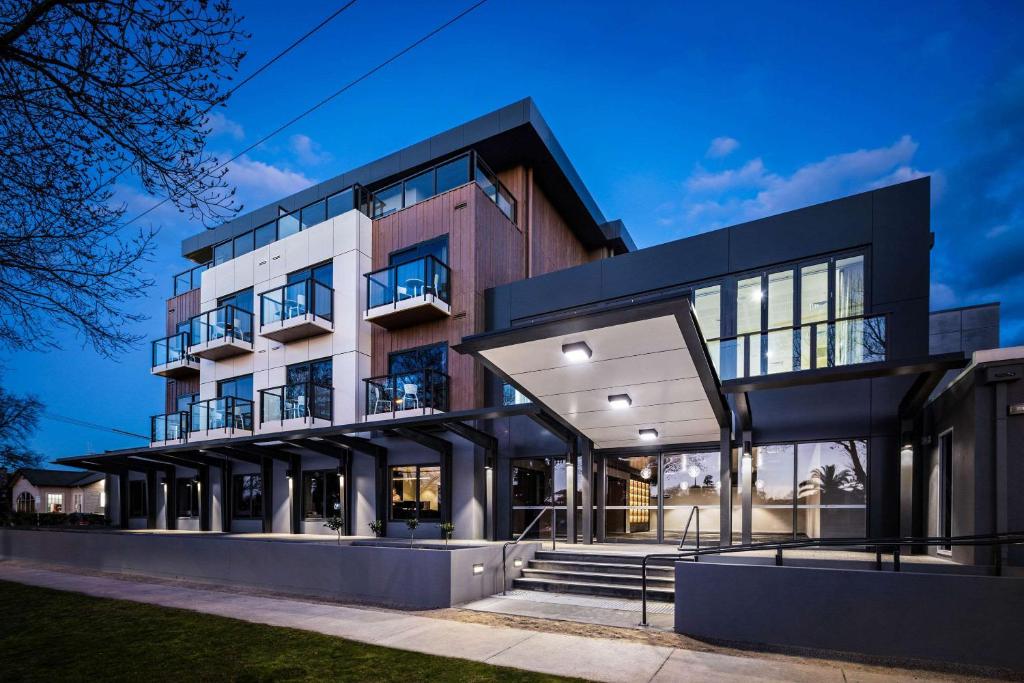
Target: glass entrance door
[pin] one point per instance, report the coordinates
(631, 501)
(689, 480)
(536, 482)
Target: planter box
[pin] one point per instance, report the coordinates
(383, 574)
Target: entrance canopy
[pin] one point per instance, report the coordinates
(622, 376)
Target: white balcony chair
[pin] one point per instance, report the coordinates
(380, 402)
(410, 395)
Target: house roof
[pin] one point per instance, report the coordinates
(514, 134)
(60, 478)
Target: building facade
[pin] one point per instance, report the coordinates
(455, 333)
(57, 491)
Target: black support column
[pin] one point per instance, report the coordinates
(725, 479)
(267, 477)
(226, 493)
(170, 501)
(151, 497)
(601, 493)
(205, 497)
(296, 493)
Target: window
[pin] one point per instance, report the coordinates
(415, 492)
(265, 234)
(419, 187)
(390, 199)
(222, 253)
(247, 496)
(313, 214)
(321, 494)
(437, 247)
(434, 357)
(707, 304)
(322, 273)
(26, 502)
(184, 402)
(186, 494)
(510, 396)
(945, 503)
(779, 351)
(76, 505)
(239, 387)
(340, 203)
(244, 243)
(452, 174)
(138, 500)
(308, 389)
(288, 224)
(55, 502)
(241, 300)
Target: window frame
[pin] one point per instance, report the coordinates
(195, 502)
(419, 481)
(327, 473)
(133, 511)
(236, 498)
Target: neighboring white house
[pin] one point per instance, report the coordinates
(36, 490)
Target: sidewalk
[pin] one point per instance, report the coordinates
(567, 655)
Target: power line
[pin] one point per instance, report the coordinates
(298, 41)
(327, 99)
(92, 425)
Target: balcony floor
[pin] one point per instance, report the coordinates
(176, 369)
(295, 328)
(411, 311)
(217, 349)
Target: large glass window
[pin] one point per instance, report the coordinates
(265, 234)
(813, 309)
(244, 243)
(321, 494)
(690, 479)
(832, 482)
(849, 289)
(55, 502)
(436, 247)
(419, 187)
(390, 199)
(222, 253)
(247, 496)
(138, 500)
(288, 225)
(779, 353)
(416, 492)
(453, 174)
(239, 387)
(433, 357)
(772, 496)
(241, 300)
(631, 501)
(313, 214)
(707, 304)
(187, 497)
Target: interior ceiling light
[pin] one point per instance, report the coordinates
(648, 434)
(577, 352)
(620, 401)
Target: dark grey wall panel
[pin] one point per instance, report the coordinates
(693, 259)
(901, 216)
(555, 291)
(828, 411)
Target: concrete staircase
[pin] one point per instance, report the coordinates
(606, 575)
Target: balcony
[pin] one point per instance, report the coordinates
(296, 405)
(825, 344)
(408, 394)
(221, 333)
(217, 418)
(409, 293)
(297, 311)
(168, 430)
(170, 357)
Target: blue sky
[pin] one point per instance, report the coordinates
(680, 117)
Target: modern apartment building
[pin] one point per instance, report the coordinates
(455, 332)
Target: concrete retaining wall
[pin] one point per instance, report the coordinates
(975, 620)
(414, 578)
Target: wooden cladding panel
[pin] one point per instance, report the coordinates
(553, 246)
(179, 309)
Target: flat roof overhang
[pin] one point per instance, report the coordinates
(652, 352)
(281, 445)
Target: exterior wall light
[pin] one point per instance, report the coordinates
(517, 563)
(648, 434)
(478, 569)
(620, 401)
(576, 352)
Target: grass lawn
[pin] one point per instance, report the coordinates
(56, 636)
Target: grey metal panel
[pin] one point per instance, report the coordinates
(944, 342)
(676, 263)
(979, 339)
(555, 291)
(447, 142)
(832, 226)
(414, 155)
(901, 261)
(980, 316)
(944, 322)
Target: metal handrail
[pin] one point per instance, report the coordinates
(694, 510)
(307, 408)
(504, 548)
(435, 275)
(878, 544)
(308, 307)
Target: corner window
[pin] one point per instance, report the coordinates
(138, 503)
(244, 243)
(313, 214)
(247, 496)
(186, 494)
(222, 253)
(321, 494)
(416, 492)
(265, 234)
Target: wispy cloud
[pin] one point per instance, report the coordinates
(221, 126)
(259, 182)
(722, 147)
(307, 151)
(712, 199)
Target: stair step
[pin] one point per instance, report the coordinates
(602, 567)
(600, 589)
(604, 558)
(611, 579)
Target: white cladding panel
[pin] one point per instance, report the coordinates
(346, 241)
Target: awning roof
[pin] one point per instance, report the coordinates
(651, 352)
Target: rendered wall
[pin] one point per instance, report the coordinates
(951, 618)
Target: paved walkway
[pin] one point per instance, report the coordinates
(568, 655)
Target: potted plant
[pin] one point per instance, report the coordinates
(447, 529)
(412, 524)
(337, 525)
(377, 527)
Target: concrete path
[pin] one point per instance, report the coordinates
(568, 655)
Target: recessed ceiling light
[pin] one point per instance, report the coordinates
(577, 352)
(648, 434)
(620, 401)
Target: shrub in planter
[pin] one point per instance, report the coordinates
(377, 527)
(412, 524)
(447, 529)
(337, 525)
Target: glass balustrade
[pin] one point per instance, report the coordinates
(298, 400)
(171, 349)
(169, 427)
(420, 389)
(228, 412)
(223, 322)
(297, 300)
(414, 279)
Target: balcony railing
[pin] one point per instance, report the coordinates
(223, 322)
(422, 390)
(229, 413)
(299, 400)
(825, 344)
(169, 427)
(298, 299)
(170, 350)
(421, 278)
